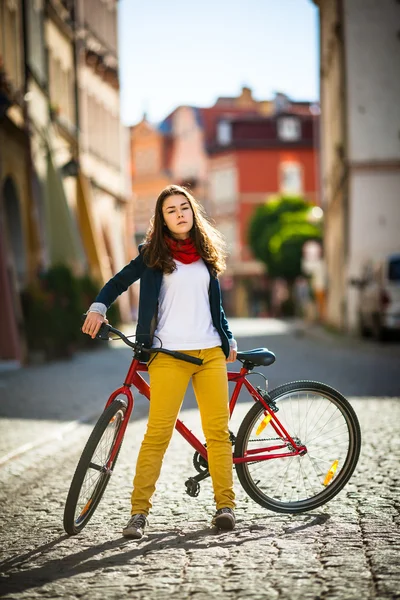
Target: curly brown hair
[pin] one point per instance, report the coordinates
(208, 241)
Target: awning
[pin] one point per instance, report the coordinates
(93, 242)
(64, 242)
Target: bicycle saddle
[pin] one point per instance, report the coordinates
(258, 357)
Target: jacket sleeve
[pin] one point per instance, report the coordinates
(223, 319)
(225, 324)
(121, 281)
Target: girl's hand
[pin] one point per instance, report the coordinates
(233, 351)
(92, 323)
(232, 356)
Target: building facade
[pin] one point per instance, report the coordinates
(103, 185)
(19, 243)
(64, 156)
(360, 147)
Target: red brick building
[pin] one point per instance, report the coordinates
(253, 158)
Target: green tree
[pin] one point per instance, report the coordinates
(277, 232)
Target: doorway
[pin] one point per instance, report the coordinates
(13, 270)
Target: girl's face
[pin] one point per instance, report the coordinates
(178, 216)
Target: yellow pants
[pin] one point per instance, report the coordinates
(169, 379)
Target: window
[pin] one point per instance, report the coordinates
(10, 36)
(224, 133)
(103, 132)
(289, 129)
(229, 231)
(291, 180)
(101, 18)
(394, 269)
(223, 185)
(61, 89)
(36, 50)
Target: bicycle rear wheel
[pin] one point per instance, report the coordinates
(92, 474)
(317, 416)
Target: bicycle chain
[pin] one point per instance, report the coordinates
(262, 440)
(266, 439)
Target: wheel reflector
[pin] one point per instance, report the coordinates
(331, 472)
(263, 424)
(86, 508)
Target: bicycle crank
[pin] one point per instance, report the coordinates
(192, 484)
(200, 463)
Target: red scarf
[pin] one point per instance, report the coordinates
(183, 250)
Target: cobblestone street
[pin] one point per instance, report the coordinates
(346, 549)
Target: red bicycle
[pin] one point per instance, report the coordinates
(295, 450)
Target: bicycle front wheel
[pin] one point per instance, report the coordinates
(92, 473)
(316, 416)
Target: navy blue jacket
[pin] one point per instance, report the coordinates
(150, 285)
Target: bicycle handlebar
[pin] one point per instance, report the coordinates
(105, 329)
(182, 356)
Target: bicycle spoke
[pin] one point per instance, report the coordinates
(327, 438)
(307, 479)
(282, 479)
(314, 467)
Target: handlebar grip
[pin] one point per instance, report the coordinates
(187, 358)
(103, 333)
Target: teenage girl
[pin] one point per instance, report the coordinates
(179, 305)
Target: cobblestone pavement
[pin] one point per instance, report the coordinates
(347, 549)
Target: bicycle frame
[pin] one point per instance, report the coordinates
(133, 378)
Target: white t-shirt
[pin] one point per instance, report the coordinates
(184, 315)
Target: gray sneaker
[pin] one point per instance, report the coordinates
(225, 519)
(135, 527)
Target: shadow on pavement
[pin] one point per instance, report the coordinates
(16, 561)
(316, 520)
(78, 563)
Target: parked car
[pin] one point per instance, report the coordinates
(379, 308)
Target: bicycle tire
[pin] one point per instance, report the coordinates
(277, 502)
(113, 414)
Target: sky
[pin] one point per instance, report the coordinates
(186, 52)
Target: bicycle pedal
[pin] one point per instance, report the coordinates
(192, 487)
